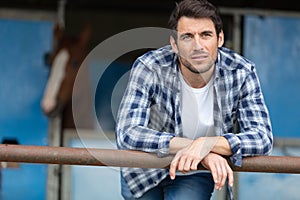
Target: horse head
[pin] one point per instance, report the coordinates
(64, 61)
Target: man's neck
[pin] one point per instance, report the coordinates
(196, 80)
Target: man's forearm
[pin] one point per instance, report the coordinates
(221, 146)
(217, 144)
(178, 143)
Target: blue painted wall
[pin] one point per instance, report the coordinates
(22, 80)
(273, 43)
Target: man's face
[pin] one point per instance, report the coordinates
(197, 44)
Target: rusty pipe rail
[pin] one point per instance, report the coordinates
(124, 158)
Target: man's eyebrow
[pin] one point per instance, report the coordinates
(186, 34)
(207, 32)
(191, 34)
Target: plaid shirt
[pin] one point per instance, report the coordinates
(150, 114)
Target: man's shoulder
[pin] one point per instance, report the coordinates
(231, 60)
(162, 56)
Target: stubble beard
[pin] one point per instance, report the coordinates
(203, 69)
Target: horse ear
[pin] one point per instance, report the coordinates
(85, 34)
(58, 32)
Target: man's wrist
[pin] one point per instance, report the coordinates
(222, 146)
(177, 143)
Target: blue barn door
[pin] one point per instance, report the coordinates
(22, 80)
(273, 43)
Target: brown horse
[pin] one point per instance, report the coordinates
(64, 61)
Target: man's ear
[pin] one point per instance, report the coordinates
(221, 39)
(173, 44)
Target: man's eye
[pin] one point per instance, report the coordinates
(206, 35)
(186, 37)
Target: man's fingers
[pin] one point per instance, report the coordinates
(219, 169)
(223, 175)
(173, 167)
(172, 172)
(230, 176)
(194, 165)
(223, 172)
(181, 163)
(219, 174)
(187, 165)
(214, 174)
(184, 164)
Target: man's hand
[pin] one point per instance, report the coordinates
(188, 158)
(219, 168)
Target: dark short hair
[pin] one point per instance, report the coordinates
(196, 9)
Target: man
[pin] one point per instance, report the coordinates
(185, 99)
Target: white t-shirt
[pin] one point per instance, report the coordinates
(197, 110)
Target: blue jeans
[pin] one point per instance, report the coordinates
(192, 187)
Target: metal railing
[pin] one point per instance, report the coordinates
(125, 158)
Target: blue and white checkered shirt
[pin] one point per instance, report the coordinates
(150, 115)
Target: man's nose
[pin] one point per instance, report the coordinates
(198, 43)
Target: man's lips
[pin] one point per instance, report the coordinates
(199, 57)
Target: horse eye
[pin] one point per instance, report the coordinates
(75, 63)
(47, 57)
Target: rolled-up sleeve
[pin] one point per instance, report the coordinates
(255, 133)
(133, 131)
